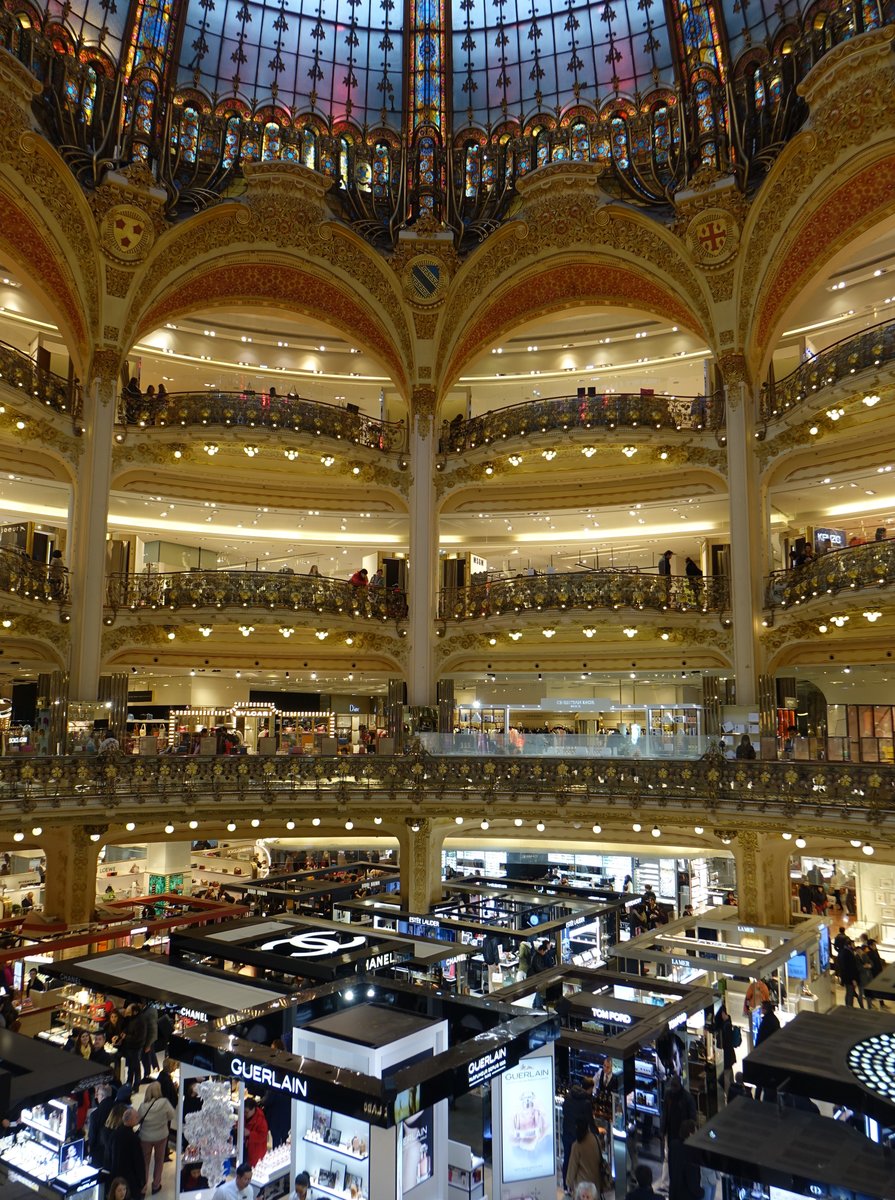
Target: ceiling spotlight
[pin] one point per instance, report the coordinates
(514, 460)
(518, 822)
(588, 451)
(540, 827)
(813, 430)
(94, 837)
(287, 631)
(205, 630)
(6, 623)
(486, 824)
(872, 615)
(870, 401)
(458, 820)
(629, 631)
(130, 826)
(290, 824)
(171, 635)
(656, 831)
(377, 820)
(349, 640)
(548, 633)
(489, 468)
(349, 825)
(169, 828)
(839, 621)
(868, 849)
(597, 828)
(292, 455)
(698, 829)
(835, 413)
(548, 454)
(194, 824)
(231, 826)
(415, 826)
(315, 821)
(19, 836)
(822, 628)
(36, 830)
(787, 837)
(246, 630)
(801, 843)
(514, 635)
(589, 631)
(211, 448)
(637, 827)
(321, 634)
(856, 842)
(327, 460)
(251, 451)
(629, 451)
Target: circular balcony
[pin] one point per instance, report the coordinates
(586, 590)
(23, 577)
(851, 569)
(833, 367)
(587, 409)
(274, 591)
(250, 410)
(19, 371)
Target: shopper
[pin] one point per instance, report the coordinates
(256, 1132)
(359, 578)
(739, 1087)
(723, 1030)
(156, 1118)
(239, 1187)
(756, 994)
(848, 970)
(105, 1101)
(586, 1191)
(150, 1058)
(56, 572)
(678, 1106)
(745, 749)
(83, 1045)
(277, 1107)
(644, 1190)
(577, 1107)
(133, 1044)
(119, 1190)
(585, 1159)
(684, 1177)
(125, 1153)
(874, 958)
(35, 983)
(166, 1082)
(770, 1022)
(302, 1186)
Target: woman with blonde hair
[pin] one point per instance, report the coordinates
(156, 1116)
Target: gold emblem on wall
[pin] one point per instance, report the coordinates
(127, 233)
(424, 279)
(713, 237)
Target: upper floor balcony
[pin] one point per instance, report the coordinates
(585, 590)
(851, 569)
(790, 796)
(261, 410)
(22, 576)
(18, 370)
(587, 409)
(280, 591)
(865, 351)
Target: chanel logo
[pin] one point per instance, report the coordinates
(317, 944)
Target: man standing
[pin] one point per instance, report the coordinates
(134, 1044)
(769, 1024)
(239, 1187)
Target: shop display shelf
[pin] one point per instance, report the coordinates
(318, 1187)
(336, 1149)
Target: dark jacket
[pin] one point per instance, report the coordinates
(168, 1086)
(95, 1122)
(684, 1178)
(769, 1024)
(135, 1034)
(677, 1107)
(847, 965)
(577, 1106)
(643, 1193)
(724, 1032)
(126, 1158)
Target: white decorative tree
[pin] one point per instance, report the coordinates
(208, 1130)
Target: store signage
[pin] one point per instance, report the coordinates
(681, 962)
(608, 1014)
(353, 708)
(319, 944)
(17, 741)
(278, 1080)
(680, 1019)
(194, 1014)
(575, 922)
(486, 1066)
(745, 928)
(377, 961)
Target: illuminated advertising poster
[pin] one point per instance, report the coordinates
(416, 1149)
(527, 1117)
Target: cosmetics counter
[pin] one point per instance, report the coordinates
(627, 1035)
(717, 949)
(370, 1068)
(42, 1150)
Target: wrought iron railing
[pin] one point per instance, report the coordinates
(865, 351)
(257, 410)
(20, 371)
(851, 569)
(790, 795)
(585, 410)
(22, 576)
(585, 590)
(196, 148)
(273, 590)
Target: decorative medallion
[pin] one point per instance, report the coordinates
(713, 237)
(424, 280)
(126, 233)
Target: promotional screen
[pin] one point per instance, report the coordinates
(527, 1116)
(416, 1148)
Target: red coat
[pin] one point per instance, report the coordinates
(255, 1137)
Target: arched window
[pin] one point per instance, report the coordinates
(661, 134)
(543, 148)
(143, 114)
(250, 150)
(870, 14)
(758, 88)
(426, 172)
(308, 148)
(189, 134)
(364, 176)
(620, 149)
(488, 169)
(343, 162)
(472, 172)
(231, 142)
(579, 142)
(271, 144)
(381, 170)
(706, 122)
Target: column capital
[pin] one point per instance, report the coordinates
(423, 403)
(420, 841)
(735, 373)
(70, 886)
(762, 862)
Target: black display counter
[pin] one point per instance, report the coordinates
(795, 1151)
(844, 1056)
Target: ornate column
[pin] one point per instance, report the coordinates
(747, 521)
(762, 864)
(420, 842)
(422, 574)
(87, 527)
(70, 885)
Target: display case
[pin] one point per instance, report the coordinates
(45, 1151)
(335, 1152)
(466, 1173)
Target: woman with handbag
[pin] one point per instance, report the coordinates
(156, 1116)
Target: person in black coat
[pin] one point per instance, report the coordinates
(677, 1107)
(166, 1082)
(684, 1177)
(849, 971)
(126, 1153)
(578, 1105)
(99, 1114)
(723, 1030)
(133, 1045)
(769, 1024)
(277, 1107)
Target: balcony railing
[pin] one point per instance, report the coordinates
(22, 576)
(872, 348)
(247, 410)
(583, 411)
(794, 794)
(585, 590)
(851, 569)
(18, 370)
(272, 590)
